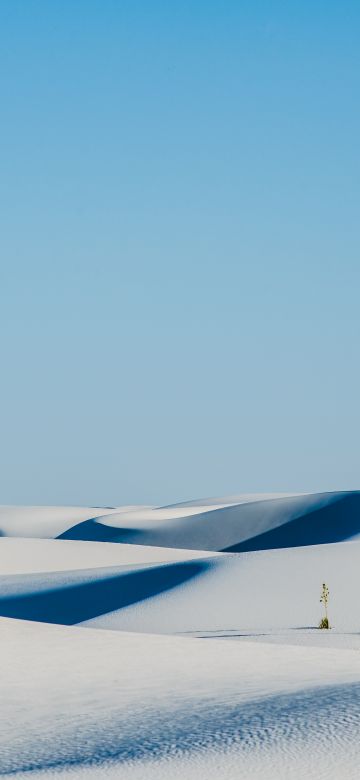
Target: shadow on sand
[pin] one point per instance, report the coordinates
(92, 531)
(332, 523)
(60, 602)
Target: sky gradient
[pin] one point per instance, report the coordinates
(179, 288)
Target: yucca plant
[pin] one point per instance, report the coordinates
(324, 599)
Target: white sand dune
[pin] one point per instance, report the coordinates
(230, 595)
(252, 593)
(44, 521)
(29, 556)
(139, 706)
(129, 702)
(234, 524)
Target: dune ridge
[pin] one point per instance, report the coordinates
(232, 524)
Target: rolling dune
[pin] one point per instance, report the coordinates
(233, 524)
(231, 594)
(140, 702)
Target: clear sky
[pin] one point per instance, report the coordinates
(179, 291)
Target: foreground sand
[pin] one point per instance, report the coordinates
(99, 703)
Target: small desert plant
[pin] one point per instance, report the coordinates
(324, 599)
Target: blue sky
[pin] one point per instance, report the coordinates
(179, 290)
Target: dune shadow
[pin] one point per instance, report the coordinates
(282, 724)
(69, 604)
(92, 531)
(335, 522)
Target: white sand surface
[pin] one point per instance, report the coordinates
(26, 556)
(251, 593)
(124, 705)
(44, 521)
(242, 594)
(211, 666)
(241, 523)
(232, 523)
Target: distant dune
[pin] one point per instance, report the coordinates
(232, 524)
